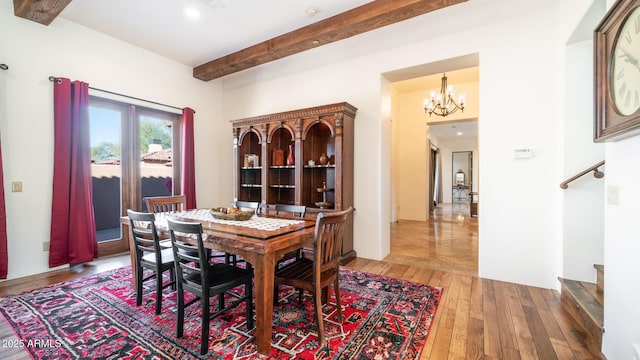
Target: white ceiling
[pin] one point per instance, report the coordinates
(468, 130)
(434, 80)
(223, 26)
(226, 26)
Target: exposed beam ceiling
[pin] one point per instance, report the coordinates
(40, 11)
(370, 16)
(356, 21)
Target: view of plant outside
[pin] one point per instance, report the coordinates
(156, 151)
(155, 144)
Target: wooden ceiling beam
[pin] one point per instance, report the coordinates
(370, 16)
(40, 11)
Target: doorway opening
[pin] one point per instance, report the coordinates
(428, 227)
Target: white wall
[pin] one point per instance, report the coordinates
(410, 165)
(512, 250)
(33, 53)
(622, 250)
(583, 243)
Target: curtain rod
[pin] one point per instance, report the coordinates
(53, 78)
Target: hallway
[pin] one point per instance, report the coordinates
(447, 241)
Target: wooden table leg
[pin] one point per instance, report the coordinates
(263, 278)
(126, 232)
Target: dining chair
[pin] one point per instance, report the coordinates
(250, 205)
(159, 204)
(323, 269)
(293, 211)
(150, 255)
(196, 275)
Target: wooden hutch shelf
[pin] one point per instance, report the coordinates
(300, 157)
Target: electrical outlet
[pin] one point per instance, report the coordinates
(16, 186)
(45, 245)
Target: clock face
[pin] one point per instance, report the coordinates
(625, 71)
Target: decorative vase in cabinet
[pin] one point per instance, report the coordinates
(323, 159)
(278, 157)
(291, 160)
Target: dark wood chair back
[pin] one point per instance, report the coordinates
(195, 274)
(190, 259)
(328, 240)
(253, 205)
(145, 235)
(149, 254)
(159, 204)
(295, 210)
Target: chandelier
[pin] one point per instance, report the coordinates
(442, 103)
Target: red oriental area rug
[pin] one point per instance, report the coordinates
(96, 317)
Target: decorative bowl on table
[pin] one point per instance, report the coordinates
(223, 213)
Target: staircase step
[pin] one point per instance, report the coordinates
(600, 277)
(584, 303)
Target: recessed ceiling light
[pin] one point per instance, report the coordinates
(459, 133)
(192, 13)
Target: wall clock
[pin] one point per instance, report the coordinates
(617, 72)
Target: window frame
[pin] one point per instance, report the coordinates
(131, 181)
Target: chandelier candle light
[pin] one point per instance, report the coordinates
(443, 104)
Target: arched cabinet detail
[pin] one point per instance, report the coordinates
(305, 158)
(248, 174)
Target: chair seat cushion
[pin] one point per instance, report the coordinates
(166, 255)
(221, 275)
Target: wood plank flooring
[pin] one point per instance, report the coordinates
(476, 319)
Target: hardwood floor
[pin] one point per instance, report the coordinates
(448, 242)
(476, 319)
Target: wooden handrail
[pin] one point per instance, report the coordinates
(596, 173)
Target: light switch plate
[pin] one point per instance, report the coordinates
(613, 195)
(16, 186)
(522, 153)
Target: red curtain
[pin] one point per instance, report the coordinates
(4, 258)
(188, 185)
(73, 228)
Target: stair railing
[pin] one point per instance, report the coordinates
(596, 173)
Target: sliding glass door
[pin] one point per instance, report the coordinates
(132, 153)
(155, 149)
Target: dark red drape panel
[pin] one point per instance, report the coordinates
(73, 228)
(188, 186)
(4, 258)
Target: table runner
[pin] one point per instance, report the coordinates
(256, 222)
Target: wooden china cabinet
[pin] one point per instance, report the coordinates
(299, 157)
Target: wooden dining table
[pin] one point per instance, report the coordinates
(262, 248)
